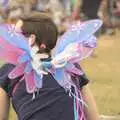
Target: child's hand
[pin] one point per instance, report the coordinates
(36, 63)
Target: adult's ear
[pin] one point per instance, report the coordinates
(32, 39)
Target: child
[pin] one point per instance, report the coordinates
(52, 102)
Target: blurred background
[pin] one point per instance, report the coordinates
(103, 67)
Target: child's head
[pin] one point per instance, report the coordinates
(41, 30)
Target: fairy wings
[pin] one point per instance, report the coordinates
(75, 45)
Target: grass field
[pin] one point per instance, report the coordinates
(104, 72)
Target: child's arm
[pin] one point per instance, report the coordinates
(4, 105)
(90, 111)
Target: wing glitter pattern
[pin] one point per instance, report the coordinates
(75, 45)
(14, 49)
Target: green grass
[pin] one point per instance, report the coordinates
(104, 73)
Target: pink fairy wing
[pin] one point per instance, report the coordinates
(71, 68)
(81, 53)
(17, 71)
(9, 57)
(78, 33)
(9, 53)
(30, 83)
(13, 36)
(15, 49)
(9, 46)
(73, 53)
(83, 50)
(86, 51)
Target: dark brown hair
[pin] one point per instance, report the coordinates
(43, 27)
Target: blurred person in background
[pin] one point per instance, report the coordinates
(2, 15)
(110, 14)
(86, 9)
(42, 5)
(3, 9)
(17, 8)
(60, 11)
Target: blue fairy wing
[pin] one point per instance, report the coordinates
(4, 2)
(78, 33)
(15, 49)
(8, 33)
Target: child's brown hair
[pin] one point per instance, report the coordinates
(43, 27)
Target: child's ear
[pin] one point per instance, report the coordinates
(32, 39)
(18, 25)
